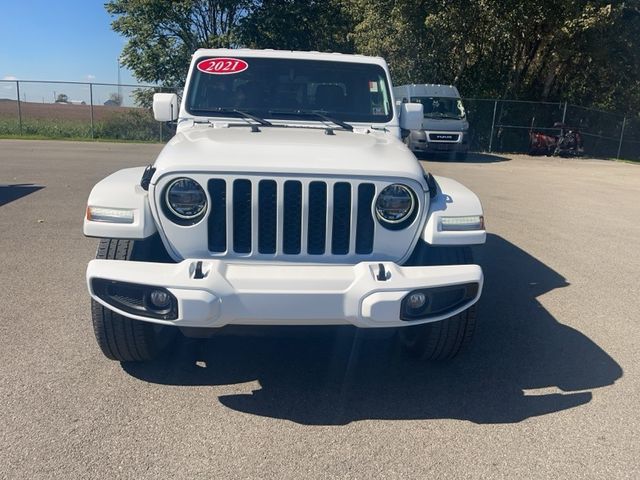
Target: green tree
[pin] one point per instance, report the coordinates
(322, 25)
(115, 99)
(394, 30)
(163, 34)
(583, 51)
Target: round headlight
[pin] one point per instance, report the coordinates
(185, 198)
(395, 204)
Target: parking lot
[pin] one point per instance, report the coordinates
(550, 387)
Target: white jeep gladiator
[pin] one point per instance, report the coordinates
(286, 197)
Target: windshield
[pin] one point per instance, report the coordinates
(441, 107)
(277, 88)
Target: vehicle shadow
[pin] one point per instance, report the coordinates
(9, 193)
(333, 376)
(472, 157)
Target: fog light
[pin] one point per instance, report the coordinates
(416, 300)
(415, 305)
(159, 299)
(437, 301)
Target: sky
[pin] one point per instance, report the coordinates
(64, 40)
(68, 40)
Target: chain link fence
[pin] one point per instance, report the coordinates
(504, 126)
(88, 110)
(79, 110)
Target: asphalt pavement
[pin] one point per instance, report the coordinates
(548, 389)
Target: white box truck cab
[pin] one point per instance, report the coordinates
(444, 127)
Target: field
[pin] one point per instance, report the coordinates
(61, 111)
(52, 120)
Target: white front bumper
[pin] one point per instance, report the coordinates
(259, 293)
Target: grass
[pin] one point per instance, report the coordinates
(131, 125)
(45, 128)
(626, 160)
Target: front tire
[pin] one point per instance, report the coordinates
(121, 338)
(444, 339)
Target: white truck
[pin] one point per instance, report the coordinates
(286, 197)
(444, 129)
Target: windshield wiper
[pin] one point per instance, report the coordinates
(313, 113)
(261, 121)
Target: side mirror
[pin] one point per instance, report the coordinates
(411, 115)
(165, 107)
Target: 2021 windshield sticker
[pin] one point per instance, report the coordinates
(222, 66)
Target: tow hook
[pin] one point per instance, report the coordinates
(382, 273)
(198, 274)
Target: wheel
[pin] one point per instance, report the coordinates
(119, 337)
(441, 340)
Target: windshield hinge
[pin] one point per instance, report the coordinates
(146, 177)
(433, 186)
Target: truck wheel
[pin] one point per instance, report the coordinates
(441, 340)
(119, 337)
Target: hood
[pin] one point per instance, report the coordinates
(445, 124)
(302, 151)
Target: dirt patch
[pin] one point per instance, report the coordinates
(61, 111)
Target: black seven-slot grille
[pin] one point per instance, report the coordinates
(314, 220)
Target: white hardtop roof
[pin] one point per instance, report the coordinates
(269, 53)
(428, 89)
